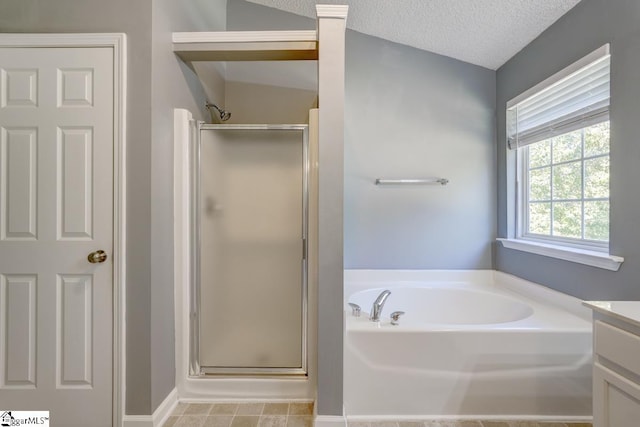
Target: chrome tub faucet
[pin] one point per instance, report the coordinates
(376, 310)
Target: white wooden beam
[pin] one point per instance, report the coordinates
(331, 93)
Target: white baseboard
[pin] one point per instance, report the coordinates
(330, 421)
(137, 421)
(159, 416)
(165, 409)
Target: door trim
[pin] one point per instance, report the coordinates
(117, 42)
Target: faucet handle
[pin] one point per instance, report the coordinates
(395, 317)
(355, 309)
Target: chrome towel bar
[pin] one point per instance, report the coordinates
(441, 181)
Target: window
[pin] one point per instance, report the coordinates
(565, 187)
(559, 130)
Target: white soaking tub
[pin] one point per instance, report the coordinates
(471, 344)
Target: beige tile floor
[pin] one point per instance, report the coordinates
(466, 424)
(300, 414)
(294, 414)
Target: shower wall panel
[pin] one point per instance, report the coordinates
(252, 273)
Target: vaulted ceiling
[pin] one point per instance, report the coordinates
(481, 32)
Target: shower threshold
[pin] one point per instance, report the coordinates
(251, 372)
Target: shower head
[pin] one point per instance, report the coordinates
(224, 115)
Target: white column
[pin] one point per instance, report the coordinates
(331, 69)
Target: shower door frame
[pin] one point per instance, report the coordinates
(195, 369)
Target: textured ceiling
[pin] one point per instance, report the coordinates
(482, 32)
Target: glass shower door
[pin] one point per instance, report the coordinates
(252, 267)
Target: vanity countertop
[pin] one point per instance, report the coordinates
(627, 311)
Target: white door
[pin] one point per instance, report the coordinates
(56, 208)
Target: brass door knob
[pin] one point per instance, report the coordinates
(97, 257)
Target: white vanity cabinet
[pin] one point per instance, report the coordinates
(616, 363)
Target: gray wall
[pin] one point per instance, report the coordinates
(134, 19)
(285, 105)
(412, 114)
(243, 15)
(174, 85)
(586, 27)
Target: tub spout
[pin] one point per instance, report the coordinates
(376, 310)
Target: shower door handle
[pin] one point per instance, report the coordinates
(304, 248)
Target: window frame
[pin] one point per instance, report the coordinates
(598, 255)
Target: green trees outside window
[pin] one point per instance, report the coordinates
(567, 189)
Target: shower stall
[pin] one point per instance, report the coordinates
(248, 300)
(247, 216)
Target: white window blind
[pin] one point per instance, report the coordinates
(574, 98)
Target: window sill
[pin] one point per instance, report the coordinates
(581, 256)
